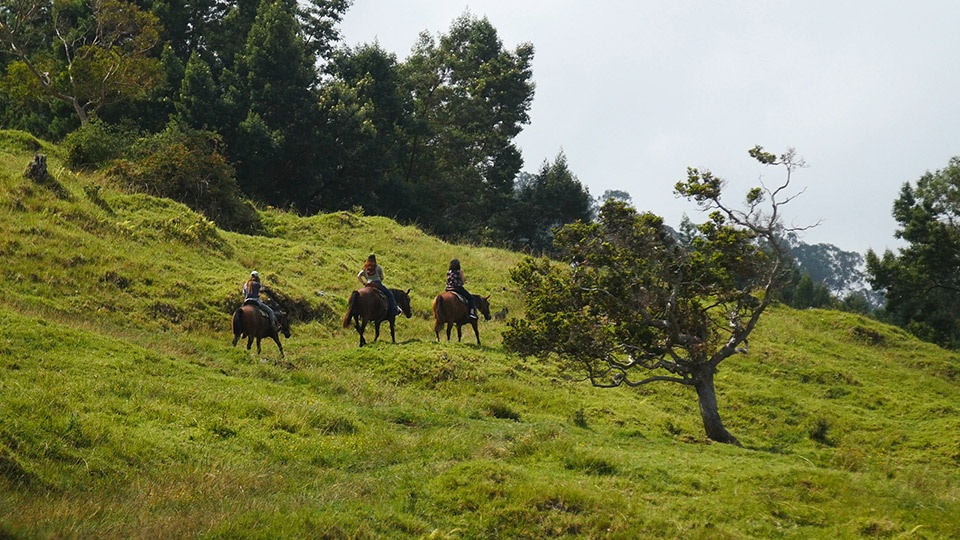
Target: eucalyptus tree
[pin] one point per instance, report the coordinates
(632, 305)
(471, 98)
(85, 54)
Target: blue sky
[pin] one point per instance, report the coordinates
(634, 92)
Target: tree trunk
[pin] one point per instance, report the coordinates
(707, 395)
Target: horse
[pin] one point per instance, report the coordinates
(250, 322)
(449, 309)
(368, 304)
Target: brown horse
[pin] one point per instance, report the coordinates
(449, 309)
(368, 304)
(250, 322)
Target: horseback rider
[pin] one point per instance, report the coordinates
(251, 294)
(455, 281)
(373, 273)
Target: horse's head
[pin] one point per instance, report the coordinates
(403, 301)
(483, 304)
(284, 321)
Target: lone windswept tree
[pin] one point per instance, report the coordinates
(633, 306)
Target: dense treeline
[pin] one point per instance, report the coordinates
(264, 101)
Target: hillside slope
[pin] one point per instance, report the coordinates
(125, 412)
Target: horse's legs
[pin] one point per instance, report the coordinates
(449, 328)
(236, 338)
(376, 328)
(393, 336)
(473, 323)
(459, 331)
(276, 340)
(437, 325)
(249, 341)
(258, 345)
(360, 329)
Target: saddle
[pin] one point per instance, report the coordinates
(381, 294)
(256, 304)
(459, 297)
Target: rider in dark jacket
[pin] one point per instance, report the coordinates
(251, 293)
(455, 281)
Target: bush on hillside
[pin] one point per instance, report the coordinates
(187, 166)
(96, 144)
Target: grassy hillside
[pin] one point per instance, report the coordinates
(125, 412)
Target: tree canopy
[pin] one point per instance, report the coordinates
(86, 55)
(921, 282)
(632, 305)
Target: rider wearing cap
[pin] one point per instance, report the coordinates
(251, 293)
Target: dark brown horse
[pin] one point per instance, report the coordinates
(250, 322)
(368, 304)
(449, 309)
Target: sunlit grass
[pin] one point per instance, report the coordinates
(125, 412)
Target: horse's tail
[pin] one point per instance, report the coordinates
(238, 322)
(438, 307)
(350, 304)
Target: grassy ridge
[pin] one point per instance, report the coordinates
(124, 412)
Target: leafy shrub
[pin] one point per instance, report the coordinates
(187, 166)
(96, 144)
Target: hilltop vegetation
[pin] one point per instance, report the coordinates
(126, 413)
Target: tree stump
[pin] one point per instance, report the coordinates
(37, 169)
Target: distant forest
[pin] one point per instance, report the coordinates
(227, 105)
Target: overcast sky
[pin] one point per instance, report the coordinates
(633, 92)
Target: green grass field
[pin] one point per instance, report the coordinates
(126, 413)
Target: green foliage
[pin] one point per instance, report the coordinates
(636, 300)
(921, 283)
(471, 98)
(97, 144)
(306, 122)
(187, 166)
(368, 141)
(806, 293)
(105, 48)
(550, 199)
(274, 80)
(198, 104)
